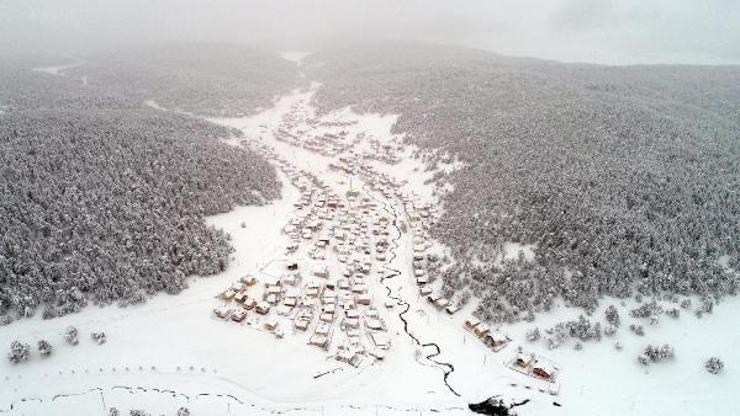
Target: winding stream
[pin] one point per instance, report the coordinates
(446, 367)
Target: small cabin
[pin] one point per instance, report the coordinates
(240, 297)
(271, 325)
(326, 317)
(373, 323)
(496, 340)
(318, 340)
(239, 315)
(289, 279)
(323, 329)
(250, 303)
(442, 303)
(378, 353)
(321, 271)
(351, 322)
(262, 308)
(452, 309)
(271, 298)
(543, 371)
(222, 312)
(471, 324)
(249, 280)
(363, 299)
(523, 360)
(301, 324)
(481, 331)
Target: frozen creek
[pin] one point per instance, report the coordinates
(172, 351)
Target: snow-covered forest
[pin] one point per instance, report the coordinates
(623, 179)
(104, 198)
(210, 79)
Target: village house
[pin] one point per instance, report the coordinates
(262, 308)
(318, 340)
(301, 324)
(323, 329)
(373, 323)
(249, 303)
(239, 315)
(452, 309)
(421, 279)
(228, 295)
(363, 299)
(326, 317)
(496, 340)
(471, 324)
(523, 360)
(321, 271)
(543, 371)
(481, 330)
(442, 303)
(223, 312)
(248, 280)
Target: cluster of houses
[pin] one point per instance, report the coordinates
(495, 340)
(335, 137)
(328, 138)
(535, 366)
(323, 290)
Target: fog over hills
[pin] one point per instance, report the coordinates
(601, 31)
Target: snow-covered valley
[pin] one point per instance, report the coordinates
(174, 351)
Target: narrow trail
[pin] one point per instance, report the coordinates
(446, 367)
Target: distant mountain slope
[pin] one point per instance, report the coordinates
(214, 79)
(625, 178)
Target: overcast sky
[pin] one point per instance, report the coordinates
(601, 31)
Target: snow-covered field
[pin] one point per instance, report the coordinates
(172, 351)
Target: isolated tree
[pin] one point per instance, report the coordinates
(714, 365)
(45, 348)
(533, 335)
(19, 352)
(70, 335)
(612, 315)
(637, 329)
(99, 337)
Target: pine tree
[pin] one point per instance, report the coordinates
(71, 335)
(612, 315)
(714, 365)
(19, 352)
(45, 348)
